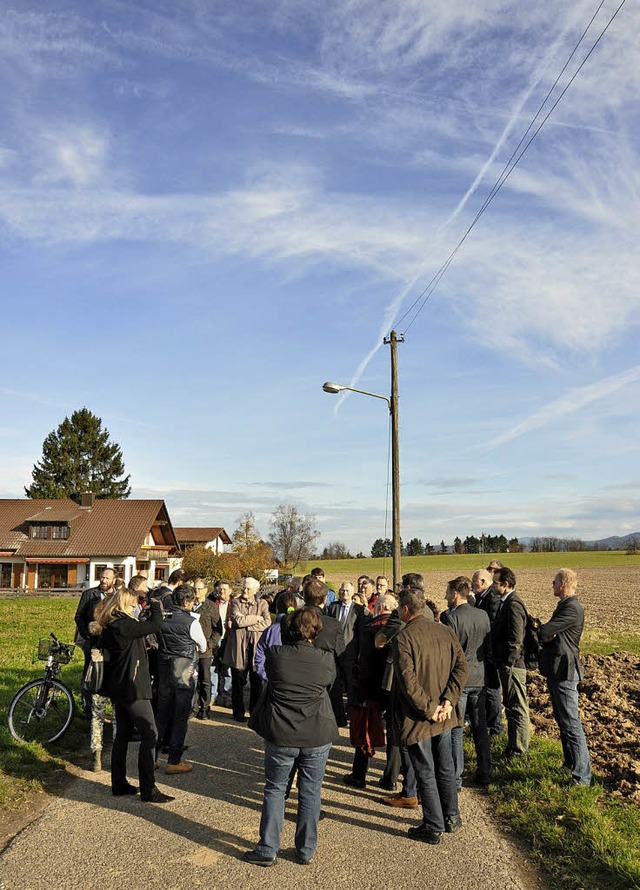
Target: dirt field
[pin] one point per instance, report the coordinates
(610, 700)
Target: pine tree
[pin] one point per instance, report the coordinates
(79, 457)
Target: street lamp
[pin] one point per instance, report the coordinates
(392, 402)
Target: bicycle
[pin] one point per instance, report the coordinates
(43, 709)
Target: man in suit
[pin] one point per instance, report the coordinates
(83, 617)
(507, 642)
(351, 618)
(473, 630)
(560, 663)
(487, 598)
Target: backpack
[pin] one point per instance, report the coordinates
(94, 678)
(532, 645)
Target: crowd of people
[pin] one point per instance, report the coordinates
(402, 674)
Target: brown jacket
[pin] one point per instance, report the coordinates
(248, 619)
(429, 667)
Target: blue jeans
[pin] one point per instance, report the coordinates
(278, 763)
(220, 681)
(564, 700)
(473, 705)
(432, 761)
(409, 787)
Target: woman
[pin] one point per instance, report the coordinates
(128, 685)
(295, 718)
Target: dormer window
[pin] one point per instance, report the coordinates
(53, 531)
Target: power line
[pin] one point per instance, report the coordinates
(424, 296)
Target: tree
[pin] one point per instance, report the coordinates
(428, 548)
(292, 535)
(250, 556)
(199, 562)
(457, 545)
(378, 548)
(414, 547)
(79, 457)
(443, 547)
(336, 550)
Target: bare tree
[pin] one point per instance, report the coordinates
(292, 535)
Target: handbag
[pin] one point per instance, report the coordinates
(181, 671)
(94, 678)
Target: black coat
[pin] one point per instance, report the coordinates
(86, 608)
(294, 710)
(489, 602)
(560, 637)
(507, 633)
(353, 630)
(127, 667)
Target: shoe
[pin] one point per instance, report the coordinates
(157, 764)
(405, 803)
(387, 784)
(126, 789)
(482, 781)
(302, 860)
(157, 796)
(427, 835)
(200, 715)
(97, 761)
(256, 858)
(175, 769)
(240, 719)
(515, 755)
(453, 823)
(353, 781)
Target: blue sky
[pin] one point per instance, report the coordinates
(208, 209)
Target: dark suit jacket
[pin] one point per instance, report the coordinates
(473, 630)
(84, 613)
(560, 657)
(352, 630)
(489, 602)
(331, 637)
(507, 633)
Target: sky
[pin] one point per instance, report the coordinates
(209, 209)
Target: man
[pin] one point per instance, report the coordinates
(494, 566)
(507, 643)
(221, 674)
(83, 617)
(430, 674)
(560, 663)
(367, 588)
(473, 630)
(209, 615)
(331, 594)
(487, 598)
(165, 591)
(248, 618)
(331, 638)
(177, 643)
(351, 618)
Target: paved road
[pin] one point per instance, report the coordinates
(89, 839)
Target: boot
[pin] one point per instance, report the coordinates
(97, 761)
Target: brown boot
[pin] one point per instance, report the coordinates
(174, 769)
(405, 803)
(97, 761)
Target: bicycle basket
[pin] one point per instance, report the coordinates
(60, 656)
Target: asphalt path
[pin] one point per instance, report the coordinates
(88, 839)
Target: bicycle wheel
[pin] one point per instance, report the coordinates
(40, 712)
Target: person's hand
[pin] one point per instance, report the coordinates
(443, 711)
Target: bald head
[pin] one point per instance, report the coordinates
(481, 581)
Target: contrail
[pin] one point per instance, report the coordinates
(573, 401)
(392, 309)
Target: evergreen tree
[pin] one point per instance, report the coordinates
(79, 457)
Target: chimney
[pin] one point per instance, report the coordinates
(87, 498)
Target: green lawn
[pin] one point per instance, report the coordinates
(22, 622)
(465, 562)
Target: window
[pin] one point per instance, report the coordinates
(119, 570)
(60, 532)
(39, 531)
(159, 573)
(97, 571)
(5, 574)
(52, 576)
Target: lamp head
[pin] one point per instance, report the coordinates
(333, 387)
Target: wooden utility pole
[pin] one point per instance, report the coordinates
(393, 341)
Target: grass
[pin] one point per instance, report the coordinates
(470, 562)
(28, 768)
(599, 641)
(581, 837)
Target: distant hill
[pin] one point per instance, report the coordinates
(616, 542)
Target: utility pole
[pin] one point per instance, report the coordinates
(393, 341)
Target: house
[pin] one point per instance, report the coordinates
(212, 538)
(66, 543)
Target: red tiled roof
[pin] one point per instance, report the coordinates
(107, 528)
(201, 535)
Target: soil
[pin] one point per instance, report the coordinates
(610, 706)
